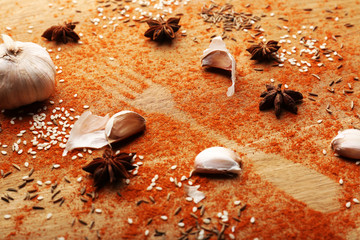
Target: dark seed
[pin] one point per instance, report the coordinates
(11, 190)
(38, 208)
(54, 195)
(16, 166)
(31, 172)
(22, 185)
(58, 200)
(82, 222)
(83, 199)
(5, 199)
(177, 210)
(83, 190)
(6, 174)
(92, 224)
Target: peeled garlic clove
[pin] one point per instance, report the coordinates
(123, 125)
(27, 73)
(88, 132)
(217, 160)
(347, 143)
(218, 56)
(194, 193)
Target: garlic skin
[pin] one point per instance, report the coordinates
(27, 73)
(217, 160)
(88, 132)
(218, 56)
(123, 125)
(194, 193)
(347, 143)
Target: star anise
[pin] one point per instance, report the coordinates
(160, 30)
(61, 33)
(264, 51)
(277, 98)
(110, 168)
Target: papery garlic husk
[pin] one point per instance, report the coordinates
(218, 56)
(88, 132)
(123, 125)
(27, 73)
(347, 143)
(217, 160)
(194, 193)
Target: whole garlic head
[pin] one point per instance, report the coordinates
(347, 143)
(217, 160)
(27, 73)
(123, 125)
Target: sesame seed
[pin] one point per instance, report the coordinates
(348, 205)
(237, 203)
(147, 232)
(173, 167)
(164, 217)
(181, 224)
(7, 216)
(130, 221)
(79, 179)
(355, 200)
(86, 106)
(341, 182)
(252, 220)
(48, 216)
(189, 199)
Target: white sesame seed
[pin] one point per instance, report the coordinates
(47, 182)
(147, 232)
(98, 210)
(355, 200)
(79, 179)
(231, 236)
(207, 220)
(341, 181)
(348, 204)
(319, 121)
(127, 181)
(237, 202)
(39, 198)
(149, 188)
(3, 152)
(189, 199)
(252, 220)
(130, 221)
(26, 164)
(7, 216)
(56, 166)
(39, 183)
(194, 209)
(141, 157)
(181, 224)
(324, 151)
(173, 167)
(48, 216)
(159, 188)
(86, 107)
(8, 28)
(164, 217)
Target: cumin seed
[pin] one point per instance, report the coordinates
(82, 222)
(9, 197)
(331, 83)
(331, 90)
(83, 190)
(92, 224)
(338, 80)
(33, 196)
(312, 99)
(194, 216)
(32, 190)
(5, 199)
(328, 110)
(58, 200)
(83, 199)
(11, 190)
(67, 180)
(22, 185)
(316, 76)
(140, 202)
(31, 172)
(149, 221)
(152, 199)
(54, 195)
(177, 211)
(313, 94)
(356, 78)
(38, 208)
(73, 222)
(7, 174)
(259, 69)
(16, 166)
(348, 91)
(29, 180)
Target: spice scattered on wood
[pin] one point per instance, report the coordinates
(38, 208)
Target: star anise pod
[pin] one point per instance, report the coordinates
(278, 98)
(61, 33)
(160, 30)
(110, 168)
(264, 51)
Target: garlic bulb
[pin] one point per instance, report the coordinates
(218, 56)
(217, 160)
(123, 125)
(92, 131)
(27, 73)
(347, 143)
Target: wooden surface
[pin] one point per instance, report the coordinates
(289, 178)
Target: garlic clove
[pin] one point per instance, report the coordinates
(194, 193)
(88, 132)
(27, 73)
(217, 160)
(123, 125)
(218, 56)
(347, 143)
